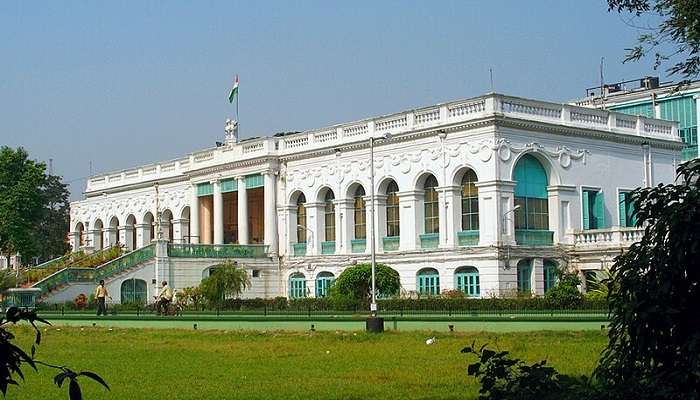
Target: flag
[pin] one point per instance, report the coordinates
(234, 91)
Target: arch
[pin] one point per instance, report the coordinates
(383, 185)
(352, 188)
(130, 232)
(149, 229)
(114, 222)
(80, 230)
(322, 192)
(324, 280)
(184, 226)
(98, 239)
(524, 276)
(549, 274)
(134, 291)
(419, 182)
(166, 218)
(185, 212)
(428, 282)
(459, 173)
(469, 205)
(553, 176)
(113, 232)
(531, 196)
(297, 285)
(294, 196)
(467, 281)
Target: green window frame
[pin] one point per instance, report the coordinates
(531, 195)
(593, 209)
(549, 272)
(205, 189)
(428, 282)
(467, 279)
(628, 216)
(301, 219)
(524, 271)
(134, 291)
(393, 219)
(431, 206)
(297, 286)
(329, 216)
(229, 185)
(254, 181)
(360, 214)
(324, 280)
(470, 202)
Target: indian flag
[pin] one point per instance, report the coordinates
(234, 91)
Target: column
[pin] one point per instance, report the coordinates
(143, 235)
(108, 235)
(94, 236)
(218, 213)
(242, 211)
(496, 225)
(194, 216)
(125, 235)
(315, 227)
(379, 221)
(288, 213)
(180, 230)
(563, 206)
(75, 241)
(537, 278)
(270, 198)
(344, 231)
(447, 196)
(411, 219)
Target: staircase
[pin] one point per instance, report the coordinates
(110, 269)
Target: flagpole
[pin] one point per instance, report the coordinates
(238, 99)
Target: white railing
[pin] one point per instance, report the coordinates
(613, 237)
(399, 123)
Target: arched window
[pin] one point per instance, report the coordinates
(430, 205)
(524, 276)
(297, 286)
(531, 195)
(301, 219)
(470, 202)
(549, 270)
(133, 291)
(360, 214)
(467, 281)
(324, 280)
(428, 281)
(393, 220)
(329, 214)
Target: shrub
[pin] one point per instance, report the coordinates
(566, 293)
(356, 282)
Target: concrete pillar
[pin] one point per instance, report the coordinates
(194, 216)
(495, 204)
(242, 211)
(450, 201)
(411, 212)
(379, 222)
(143, 235)
(344, 230)
(126, 233)
(537, 278)
(219, 213)
(180, 230)
(289, 215)
(75, 241)
(270, 192)
(315, 225)
(562, 202)
(110, 237)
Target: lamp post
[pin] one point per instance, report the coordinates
(373, 252)
(311, 235)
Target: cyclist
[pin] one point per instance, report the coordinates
(164, 298)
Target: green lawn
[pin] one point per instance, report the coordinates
(218, 364)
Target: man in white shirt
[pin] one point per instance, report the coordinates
(165, 297)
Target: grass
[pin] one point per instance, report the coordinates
(217, 364)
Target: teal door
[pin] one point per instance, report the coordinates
(133, 291)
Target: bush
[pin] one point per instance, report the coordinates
(356, 282)
(566, 293)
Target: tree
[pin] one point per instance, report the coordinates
(55, 223)
(356, 282)
(566, 292)
(654, 293)
(21, 202)
(227, 280)
(676, 38)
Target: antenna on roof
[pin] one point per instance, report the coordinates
(602, 93)
(491, 77)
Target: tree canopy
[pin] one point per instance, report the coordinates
(34, 207)
(673, 38)
(227, 280)
(356, 282)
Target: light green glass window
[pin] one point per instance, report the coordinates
(524, 271)
(329, 216)
(470, 202)
(628, 218)
(531, 195)
(431, 206)
(428, 281)
(133, 291)
(549, 270)
(593, 209)
(324, 280)
(297, 286)
(467, 281)
(393, 220)
(301, 219)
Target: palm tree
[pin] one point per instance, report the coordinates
(227, 280)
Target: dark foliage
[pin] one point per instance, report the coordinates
(12, 357)
(504, 378)
(355, 282)
(566, 293)
(654, 296)
(676, 38)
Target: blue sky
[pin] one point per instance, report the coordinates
(125, 83)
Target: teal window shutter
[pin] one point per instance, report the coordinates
(622, 206)
(205, 189)
(631, 216)
(229, 185)
(585, 209)
(599, 210)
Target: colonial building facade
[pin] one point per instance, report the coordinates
(488, 195)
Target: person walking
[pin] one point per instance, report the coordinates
(100, 296)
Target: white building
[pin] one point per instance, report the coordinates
(486, 195)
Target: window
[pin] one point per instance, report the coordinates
(470, 202)
(324, 280)
(549, 270)
(301, 219)
(467, 279)
(329, 213)
(531, 195)
(593, 209)
(256, 273)
(360, 214)
(628, 218)
(431, 206)
(133, 291)
(524, 276)
(393, 219)
(297, 286)
(428, 281)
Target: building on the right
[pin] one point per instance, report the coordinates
(650, 98)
